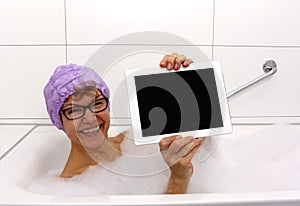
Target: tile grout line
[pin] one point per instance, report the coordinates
(50, 125)
(127, 117)
(22, 118)
(18, 142)
(29, 45)
(24, 124)
(66, 36)
(141, 44)
(213, 30)
(174, 45)
(122, 117)
(257, 46)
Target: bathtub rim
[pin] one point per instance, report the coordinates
(253, 198)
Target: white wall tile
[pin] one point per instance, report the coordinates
(23, 75)
(10, 134)
(86, 54)
(111, 62)
(32, 22)
(100, 21)
(81, 54)
(275, 96)
(24, 70)
(257, 22)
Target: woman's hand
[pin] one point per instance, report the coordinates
(174, 61)
(178, 153)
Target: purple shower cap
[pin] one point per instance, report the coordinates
(62, 83)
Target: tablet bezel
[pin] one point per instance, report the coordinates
(134, 110)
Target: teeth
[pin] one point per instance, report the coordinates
(90, 130)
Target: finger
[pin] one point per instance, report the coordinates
(179, 144)
(187, 62)
(184, 150)
(171, 62)
(178, 61)
(165, 142)
(163, 63)
(187, 148)
(191, 154)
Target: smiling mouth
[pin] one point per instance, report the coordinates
(91, 130)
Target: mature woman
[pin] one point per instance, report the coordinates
(77, 101)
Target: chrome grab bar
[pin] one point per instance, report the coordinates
(269, 67)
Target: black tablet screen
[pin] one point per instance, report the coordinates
(178, 102)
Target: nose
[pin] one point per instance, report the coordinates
(89, 117)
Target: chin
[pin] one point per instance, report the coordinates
(92, 142)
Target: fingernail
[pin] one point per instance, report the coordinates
(169, 66)
(198, 141)
(178, 136)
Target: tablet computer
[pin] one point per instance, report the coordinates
(189, 102)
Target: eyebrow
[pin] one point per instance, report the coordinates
(72, 104)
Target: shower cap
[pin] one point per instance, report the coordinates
(62, 83)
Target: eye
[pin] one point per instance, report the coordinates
(76, 109)
(72, 110)
(99, 103)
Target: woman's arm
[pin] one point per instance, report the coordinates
(177, 151)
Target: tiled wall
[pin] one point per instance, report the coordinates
(36, 36)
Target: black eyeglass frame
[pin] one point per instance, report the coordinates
(84, 109)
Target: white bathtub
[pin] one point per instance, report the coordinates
(46, 148)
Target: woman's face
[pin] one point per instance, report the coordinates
(90, 130)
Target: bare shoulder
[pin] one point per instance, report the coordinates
(118, 139)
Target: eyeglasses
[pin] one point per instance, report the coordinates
(77, 112)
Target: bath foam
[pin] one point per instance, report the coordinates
(263, 161)
(99, 181)
(267, 160)
(140, 170)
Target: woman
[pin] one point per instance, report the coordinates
(77, 101)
